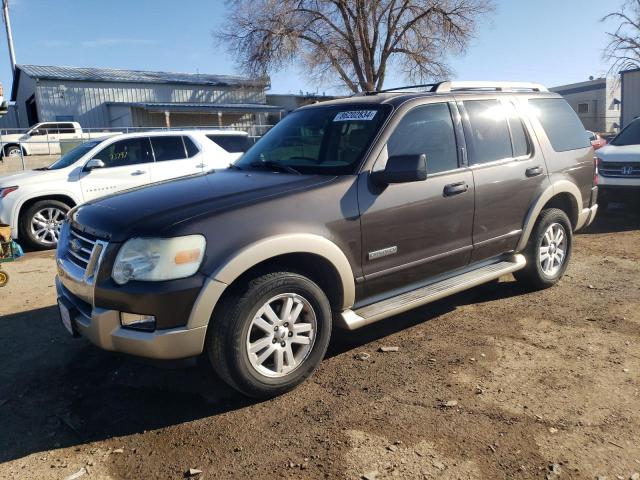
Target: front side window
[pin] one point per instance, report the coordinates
(324, 140)
(167, 148)
(126, 152)
(429, 130)
(561, 124)
(630, 135)
(489, 138)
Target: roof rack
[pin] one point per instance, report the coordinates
(449, 86)
(446, 87)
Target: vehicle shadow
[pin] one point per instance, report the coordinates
(617, 217)
(57, 392)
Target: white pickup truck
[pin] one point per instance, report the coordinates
(44, 138)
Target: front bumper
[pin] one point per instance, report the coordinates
(102, 327)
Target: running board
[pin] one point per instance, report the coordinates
(352, 320)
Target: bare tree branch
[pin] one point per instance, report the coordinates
(356, 41)
(623, 49)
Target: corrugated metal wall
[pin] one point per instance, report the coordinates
(85, 101)
(630, 96)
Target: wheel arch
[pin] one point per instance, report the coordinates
(25, 150)
(25, 204)
(562, 194)
(311, 255)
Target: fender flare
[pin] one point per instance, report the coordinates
(25, 150)
(265, 249)
(560, 186)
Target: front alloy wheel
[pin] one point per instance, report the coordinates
(269, 333)
(281, 335)
(46, 225)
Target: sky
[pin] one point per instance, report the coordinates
(553, 42)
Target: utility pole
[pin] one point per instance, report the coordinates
(7, 24)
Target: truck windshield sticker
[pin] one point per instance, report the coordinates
(355, 115)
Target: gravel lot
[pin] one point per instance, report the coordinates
(9, 165)
(492, 383)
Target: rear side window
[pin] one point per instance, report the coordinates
(489, 136)
(427, 130)
(66, 128)
(232, 143)
(560, 123)
(168, 148)
(190, 146)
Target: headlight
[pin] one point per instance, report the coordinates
(158, 259)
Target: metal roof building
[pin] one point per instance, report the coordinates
(597, 103)
(105, 97)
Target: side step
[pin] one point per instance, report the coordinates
(353, 320)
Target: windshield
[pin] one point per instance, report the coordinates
(629, 136)
(327, 140)
(73, 155)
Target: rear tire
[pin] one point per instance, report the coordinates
(548, 251)
(40, 224)
(269, 334)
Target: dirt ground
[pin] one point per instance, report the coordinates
(493, 383)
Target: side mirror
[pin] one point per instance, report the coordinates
(94, 163)
(402, 169)
(34, 133)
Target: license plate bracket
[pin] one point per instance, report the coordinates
(67, 316)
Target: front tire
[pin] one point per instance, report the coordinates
(548, 251)
(269, 334)
(13, 151)
(40, 224)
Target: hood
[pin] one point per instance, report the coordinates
(613, 153)
(14, 137)
(30, 176)
(152, 210)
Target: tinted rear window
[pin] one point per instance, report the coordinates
(232, 143)
(168, 148)
(561, 124)
(489, 139)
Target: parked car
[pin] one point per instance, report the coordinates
(597, 140)
(44, 138)
(346, 213)
(619, 166)
(35, 202)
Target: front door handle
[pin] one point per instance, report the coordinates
(534, 171)
(138, 172)
(455, 188)
(201, 165)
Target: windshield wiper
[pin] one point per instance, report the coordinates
(274, 166)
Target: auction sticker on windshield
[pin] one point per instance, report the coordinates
(355, 115)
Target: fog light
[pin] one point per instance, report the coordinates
(137, 321)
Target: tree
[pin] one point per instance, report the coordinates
(623, 49)
(354, 40)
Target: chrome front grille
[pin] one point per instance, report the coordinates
(80, 247)
(619, 169)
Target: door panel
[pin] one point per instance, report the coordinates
(508, 173)
(413, 231)
(127, 164)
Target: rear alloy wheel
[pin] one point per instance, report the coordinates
(548, 250)
(269, 334)
(40, 225)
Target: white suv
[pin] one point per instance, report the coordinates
(619, 165)
(34, 203)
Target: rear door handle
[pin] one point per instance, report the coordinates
(138, 172)
(455, 188)
(534, 171)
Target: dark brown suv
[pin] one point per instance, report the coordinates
(345, 213)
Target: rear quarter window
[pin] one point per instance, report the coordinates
(231, 143)
(561, 124)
